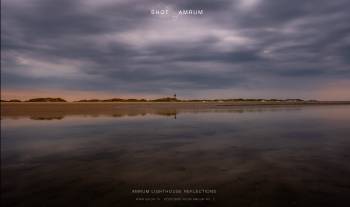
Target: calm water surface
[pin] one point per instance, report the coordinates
(252, 156)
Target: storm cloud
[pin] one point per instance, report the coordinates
(238, 48)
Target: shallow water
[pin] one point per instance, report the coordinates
(251, 156)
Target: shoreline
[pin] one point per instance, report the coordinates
(236, 103)
(61, 109)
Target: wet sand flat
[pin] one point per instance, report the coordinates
(95, 154)
(75, 108)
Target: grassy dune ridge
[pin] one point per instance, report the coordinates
(164, 99)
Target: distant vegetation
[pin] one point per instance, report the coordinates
(113, 100)
(247, 100)
(46, 100)
(12, 100)
(171, 99)
(165, 99)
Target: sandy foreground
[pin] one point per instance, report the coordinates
(47, 110)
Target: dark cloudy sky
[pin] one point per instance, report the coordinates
(116, 48)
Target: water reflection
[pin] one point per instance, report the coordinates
(46, 118)
(269, 156)
(127, 112)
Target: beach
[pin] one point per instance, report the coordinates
(57, 109)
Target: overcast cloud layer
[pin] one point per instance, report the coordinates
(239, 48)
